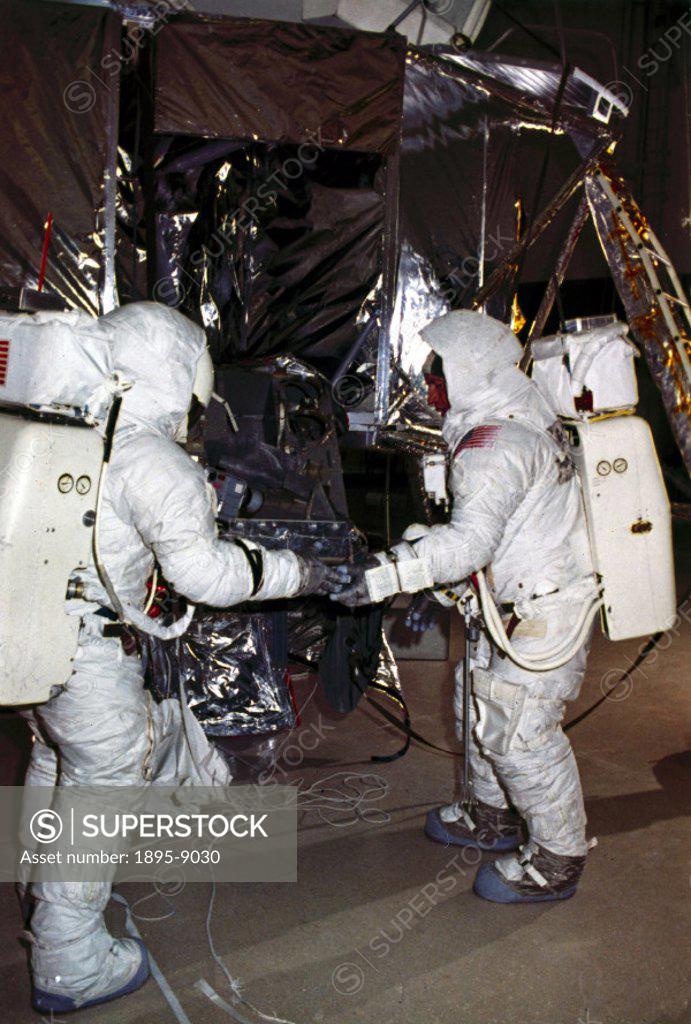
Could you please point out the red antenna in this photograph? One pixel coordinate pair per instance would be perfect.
(44, 254)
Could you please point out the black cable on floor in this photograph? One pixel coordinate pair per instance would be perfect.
(404, 726)
(649, 647)
(411, 734)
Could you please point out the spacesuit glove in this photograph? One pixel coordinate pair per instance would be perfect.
(356, 592)
(318, 578)
(423, 612)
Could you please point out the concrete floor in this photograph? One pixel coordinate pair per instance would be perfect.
(366, 935)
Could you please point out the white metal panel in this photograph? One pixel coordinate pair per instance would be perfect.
(48, 480)
(629, 523)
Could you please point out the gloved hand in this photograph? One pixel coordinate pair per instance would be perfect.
(354, 592)
(318, 578)
(422, 613)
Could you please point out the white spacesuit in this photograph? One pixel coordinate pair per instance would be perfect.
(103, 728)
(517, 514)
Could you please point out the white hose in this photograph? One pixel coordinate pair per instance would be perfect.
(152, 595)
(229, 412)
(551, 659)
(565, 648)
(560, 646)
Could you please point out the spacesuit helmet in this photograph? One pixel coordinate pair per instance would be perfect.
(474, 349)
(202, 390)
(157, 350)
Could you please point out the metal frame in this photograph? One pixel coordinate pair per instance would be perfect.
(539, 225)
(663, 298)
(108, 290)
(556, 280)
(389, 274)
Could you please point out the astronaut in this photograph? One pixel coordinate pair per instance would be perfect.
(102, 728)
(517, 514)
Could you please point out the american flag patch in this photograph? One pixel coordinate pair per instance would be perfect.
(480, 437)
(4, 361)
